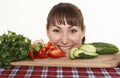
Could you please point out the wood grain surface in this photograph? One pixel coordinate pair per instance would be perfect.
(102, 61)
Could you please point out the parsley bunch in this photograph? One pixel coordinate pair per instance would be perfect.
(13, 47)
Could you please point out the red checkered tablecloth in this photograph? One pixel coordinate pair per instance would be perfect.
(59, 72)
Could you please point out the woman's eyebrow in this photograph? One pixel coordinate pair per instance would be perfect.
(71, 27)
(60, 27)
(57, 26)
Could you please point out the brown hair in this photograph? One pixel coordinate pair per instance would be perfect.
(65, 11)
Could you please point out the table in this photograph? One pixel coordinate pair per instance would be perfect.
(59, 72)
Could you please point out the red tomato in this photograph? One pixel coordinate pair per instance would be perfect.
(42, 53)
(57, 53)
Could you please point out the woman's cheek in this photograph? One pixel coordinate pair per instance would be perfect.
(54, 38)
(76, 39)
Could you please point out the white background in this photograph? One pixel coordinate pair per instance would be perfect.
(28, 17)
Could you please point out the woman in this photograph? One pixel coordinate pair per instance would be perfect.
(65, 26)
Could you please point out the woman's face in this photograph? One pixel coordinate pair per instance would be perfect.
(66, 36)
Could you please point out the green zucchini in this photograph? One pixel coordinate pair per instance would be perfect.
(105, 48)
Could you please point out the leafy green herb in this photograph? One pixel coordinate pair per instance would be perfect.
(13, 47)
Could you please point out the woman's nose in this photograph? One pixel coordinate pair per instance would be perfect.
(65, 38)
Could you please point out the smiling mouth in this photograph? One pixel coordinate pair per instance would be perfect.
(65, 47)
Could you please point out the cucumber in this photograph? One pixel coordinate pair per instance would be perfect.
(85, 51)
(77, 52)
(86, 55)
(91, 50)
(71, 53)
(105, 48)
(88, 48)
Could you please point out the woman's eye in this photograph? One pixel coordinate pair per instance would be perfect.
(73, 30)
(55, 30)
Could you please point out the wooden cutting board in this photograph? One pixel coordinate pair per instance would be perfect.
(102, 61)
